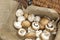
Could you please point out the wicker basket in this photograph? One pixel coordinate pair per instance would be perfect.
(55, 4)
(7, 17)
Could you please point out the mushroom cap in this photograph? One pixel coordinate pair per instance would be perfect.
(22, 32)
(28, 39)
(21, 18)
(17, 25)
(26, 23)
(30, 35)
(44, 21)
(37, 18)
(26, 15)
(38, 38)
(49, 28)
(42, 27)
(45, 35)
(19, 12)
(38, 33)
(31, 17)
(35, 25)
(51, 23)
(30, 29)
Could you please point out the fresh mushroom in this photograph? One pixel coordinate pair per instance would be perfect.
(37, 18)
(22, 32)
(50, 26)
(31, 17)
(26, 15)
(26, 23)
(38, 38)
(19, 12)
(45, 35)
(21, 18)
(30, 29)
(28, 39)
(44, 21)
(17, 25)
(35, 25)
(38, 33)
(42, 27)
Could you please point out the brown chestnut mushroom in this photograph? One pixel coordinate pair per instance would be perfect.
(26, 15)
(26, 23)
(44, 21)
(42, 27)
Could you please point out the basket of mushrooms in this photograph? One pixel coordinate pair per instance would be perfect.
(36, 23)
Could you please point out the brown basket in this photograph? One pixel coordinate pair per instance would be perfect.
(7, 17)
(55, 4)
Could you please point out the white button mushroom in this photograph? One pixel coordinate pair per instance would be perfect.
(21, 18)
(17, 25)
(50, 23)
(22, 32)
(38, 33)
(35, 25)
(28, 39)
(49, 28)
(38, 38)
(19, 12)
(31, 17)
(45, 35)
(37, 18)
(30, 29)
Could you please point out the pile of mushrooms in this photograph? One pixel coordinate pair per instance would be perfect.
(33, 27)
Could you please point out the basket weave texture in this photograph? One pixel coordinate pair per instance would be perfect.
(54, 4)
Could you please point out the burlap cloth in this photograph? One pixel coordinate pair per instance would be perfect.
(7, 17)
